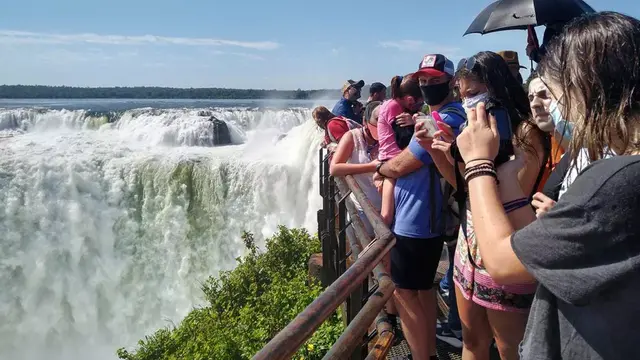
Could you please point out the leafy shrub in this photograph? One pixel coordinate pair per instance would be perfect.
(248, 306)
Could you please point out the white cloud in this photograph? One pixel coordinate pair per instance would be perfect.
(64, 56)
(240, 54)
(420, 46)
(26, 37)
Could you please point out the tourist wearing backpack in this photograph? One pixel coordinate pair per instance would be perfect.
(334, 126)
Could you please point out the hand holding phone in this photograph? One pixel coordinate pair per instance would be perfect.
(448, 134)
(429, 124)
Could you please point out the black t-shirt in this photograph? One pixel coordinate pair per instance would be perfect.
(554, 182)
(585, 253)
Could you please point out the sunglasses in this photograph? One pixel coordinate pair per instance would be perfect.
(467, 63)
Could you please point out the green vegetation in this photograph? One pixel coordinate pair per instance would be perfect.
(68, 92)
(248, 306)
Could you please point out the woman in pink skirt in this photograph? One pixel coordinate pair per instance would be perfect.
(488, 310)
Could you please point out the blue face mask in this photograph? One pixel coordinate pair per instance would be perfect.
(563, 127)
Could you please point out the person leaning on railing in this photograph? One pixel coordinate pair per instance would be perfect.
(357, 155)
(585, 251)
(334, 127)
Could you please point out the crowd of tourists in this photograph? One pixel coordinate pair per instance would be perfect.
(530, 188)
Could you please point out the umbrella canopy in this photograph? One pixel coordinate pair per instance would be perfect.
(519, 14)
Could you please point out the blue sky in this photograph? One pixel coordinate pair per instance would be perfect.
(281, 44)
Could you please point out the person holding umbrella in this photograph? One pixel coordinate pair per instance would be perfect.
(536, 52)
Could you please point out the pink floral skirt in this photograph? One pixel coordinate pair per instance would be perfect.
(476, 284)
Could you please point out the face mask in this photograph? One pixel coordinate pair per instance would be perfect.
(472, 102)
(435, 94)
(563, 127)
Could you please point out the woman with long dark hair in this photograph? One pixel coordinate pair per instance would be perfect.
(584, 252)
(488, 310)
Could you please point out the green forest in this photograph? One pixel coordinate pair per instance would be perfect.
(143, 92)
(247, 306)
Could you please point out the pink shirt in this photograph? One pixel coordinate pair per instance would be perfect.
(386, 137)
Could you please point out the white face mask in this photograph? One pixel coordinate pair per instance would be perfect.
(563, 127)
(472, 102)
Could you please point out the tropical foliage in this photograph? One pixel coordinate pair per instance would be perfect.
(248, 306)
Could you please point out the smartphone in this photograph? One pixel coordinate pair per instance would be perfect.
(439, 122)
(429, 124)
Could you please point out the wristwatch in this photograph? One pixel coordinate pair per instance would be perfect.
(378, 167)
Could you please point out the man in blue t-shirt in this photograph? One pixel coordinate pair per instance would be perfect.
(418, 208)
(348, 105)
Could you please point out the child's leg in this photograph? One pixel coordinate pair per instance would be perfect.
(387, 211)
(388, 201)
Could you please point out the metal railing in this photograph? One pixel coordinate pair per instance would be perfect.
(364, 286)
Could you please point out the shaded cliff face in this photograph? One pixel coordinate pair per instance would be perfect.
(111, 221)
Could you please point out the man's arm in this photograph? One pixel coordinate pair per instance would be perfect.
(409, 160)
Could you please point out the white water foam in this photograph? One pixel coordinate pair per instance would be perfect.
(108, 229)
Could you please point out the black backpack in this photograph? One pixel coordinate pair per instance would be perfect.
(449, 224)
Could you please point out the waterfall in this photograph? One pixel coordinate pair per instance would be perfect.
(111, 221)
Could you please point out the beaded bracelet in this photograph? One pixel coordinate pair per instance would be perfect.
(479, 173)
(473, 171)
(479, 167)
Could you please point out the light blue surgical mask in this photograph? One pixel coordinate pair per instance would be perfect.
(472, 102)
(563, 127)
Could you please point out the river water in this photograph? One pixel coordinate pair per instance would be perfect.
(113, 213)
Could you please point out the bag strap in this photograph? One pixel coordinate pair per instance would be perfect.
(329, 134)
(546, 145)
(434, 181)
(454, 110)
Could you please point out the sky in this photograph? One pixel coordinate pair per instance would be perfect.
(279, 44)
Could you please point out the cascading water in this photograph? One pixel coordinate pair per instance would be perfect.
(110, 222)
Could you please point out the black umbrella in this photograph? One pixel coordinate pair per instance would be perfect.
(519, 14)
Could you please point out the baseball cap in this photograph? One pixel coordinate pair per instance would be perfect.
(511, 57)
(377, 87)
(351, 83)
(435, 65)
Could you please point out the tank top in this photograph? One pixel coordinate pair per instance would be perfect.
(360, 155)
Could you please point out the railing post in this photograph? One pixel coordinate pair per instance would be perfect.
(342, 238)
(327, 233)
(354, 305)
(321, 172)
(331, 230)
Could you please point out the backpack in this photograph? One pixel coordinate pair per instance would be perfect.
(330, 142)
(449, 224)
(350, 124)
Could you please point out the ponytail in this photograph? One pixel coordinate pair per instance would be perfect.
(405, 85)
(396, 92)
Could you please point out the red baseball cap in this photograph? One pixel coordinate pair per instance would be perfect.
(435, 65)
